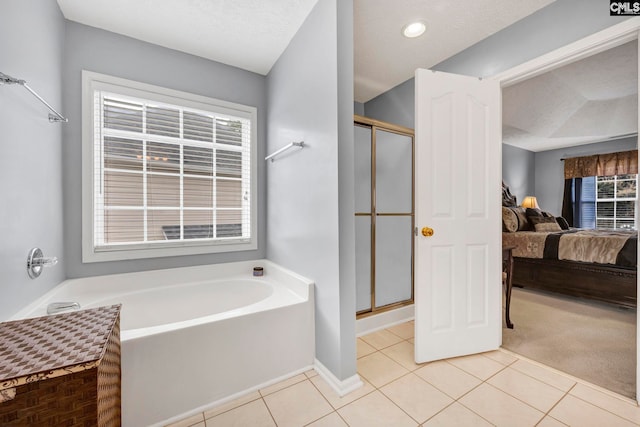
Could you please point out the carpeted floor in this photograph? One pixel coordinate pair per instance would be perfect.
(591, 341)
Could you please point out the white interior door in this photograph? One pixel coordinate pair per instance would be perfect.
(457, 269)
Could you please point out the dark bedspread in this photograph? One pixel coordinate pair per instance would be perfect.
(594, 246)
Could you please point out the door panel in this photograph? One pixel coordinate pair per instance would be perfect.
(363, 263)
(362, 169)
(393, 259)
(457, 269)
(394, 155)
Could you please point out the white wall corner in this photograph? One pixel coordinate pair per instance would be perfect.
(342, 387)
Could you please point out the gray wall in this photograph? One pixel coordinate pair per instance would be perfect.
(346, 193)
(518, 171)
(554, 26)
(96, 50)
(304, 192)
(549, 169)
(32, 34)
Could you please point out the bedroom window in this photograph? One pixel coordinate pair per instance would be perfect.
(616, 201)
(165, 173)
(605, 201)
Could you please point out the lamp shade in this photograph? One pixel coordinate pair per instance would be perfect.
(530, 202)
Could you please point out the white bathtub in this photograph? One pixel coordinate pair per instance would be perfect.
(195, 337)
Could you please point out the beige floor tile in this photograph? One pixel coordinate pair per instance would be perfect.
(544, 374)
(331, 420)
(447, 378)
(576, 412)
(540, 395)
(231, 405)
(416, 397)
(297, 405)
(379, 369)
(457, 415)
(403, 330)
(253, 414)
(500, 408)
(283, 384)
(363, 348)
(375, 410)
(477, 365)
(381, 339)
(334, 399)
(550, 422)
(501, 357)
(189, 421)
(404, 354)
(618, 406)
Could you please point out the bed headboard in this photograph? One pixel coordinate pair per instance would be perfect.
(508, 199)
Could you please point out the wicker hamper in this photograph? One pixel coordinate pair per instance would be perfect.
(61, 370)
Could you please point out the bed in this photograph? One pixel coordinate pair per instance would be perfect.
(594, 264)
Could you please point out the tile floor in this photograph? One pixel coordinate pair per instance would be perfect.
(495, 388)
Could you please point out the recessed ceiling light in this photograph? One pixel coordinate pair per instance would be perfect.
(414, 29)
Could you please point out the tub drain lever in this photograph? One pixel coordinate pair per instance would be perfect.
(36, 261)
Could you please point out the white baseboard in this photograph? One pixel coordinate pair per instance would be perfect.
(369, 324)
(342, 387)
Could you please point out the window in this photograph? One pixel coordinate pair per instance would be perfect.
(164, 172)
(606, 201)
(616, 201)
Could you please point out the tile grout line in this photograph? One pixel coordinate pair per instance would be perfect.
(329, 403)
(264, 402)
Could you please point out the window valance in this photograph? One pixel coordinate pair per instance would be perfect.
(621, 163)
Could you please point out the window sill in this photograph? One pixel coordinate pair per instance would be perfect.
(169, 250)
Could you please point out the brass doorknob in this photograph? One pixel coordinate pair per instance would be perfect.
(427, 231)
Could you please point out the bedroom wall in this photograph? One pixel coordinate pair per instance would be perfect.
(549, 169)
(554, 26)
(31, 212)
(518, 171)
(93, 49)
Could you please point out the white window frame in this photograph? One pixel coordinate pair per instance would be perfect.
(91, 82)
(615, 199)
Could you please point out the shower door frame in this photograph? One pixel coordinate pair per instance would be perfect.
(375, 125)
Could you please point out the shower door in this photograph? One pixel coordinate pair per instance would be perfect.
(383, 215)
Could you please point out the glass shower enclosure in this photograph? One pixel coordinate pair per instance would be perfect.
(384, 215)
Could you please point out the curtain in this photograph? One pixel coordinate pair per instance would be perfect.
(576, 168)
(567, 203)
(621, 163)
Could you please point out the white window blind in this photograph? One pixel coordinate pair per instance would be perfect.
(168, 175)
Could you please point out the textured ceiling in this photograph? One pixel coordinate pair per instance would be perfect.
(591, 100)
(584, 102)
(249, 34)
(384, 58)
(252, 34)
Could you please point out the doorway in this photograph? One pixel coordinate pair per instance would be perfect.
(602, 42)
(384, 212)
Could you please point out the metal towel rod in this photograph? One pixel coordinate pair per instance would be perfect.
(55, 117)
(285, 148)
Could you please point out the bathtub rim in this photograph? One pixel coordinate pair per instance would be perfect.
(304, 288)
